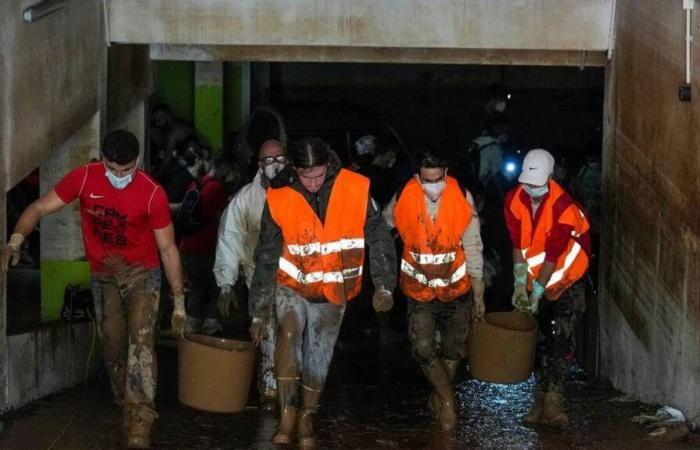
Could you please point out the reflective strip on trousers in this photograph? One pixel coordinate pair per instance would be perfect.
(315, 277)
(411, 271)
(434, 258)
(325, 249)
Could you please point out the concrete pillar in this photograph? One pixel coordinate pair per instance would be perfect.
(209, 102)
(134, 121)
(62, 254)
(238, 95)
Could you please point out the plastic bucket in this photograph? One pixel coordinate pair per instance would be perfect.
(214, 374)
(501, 347)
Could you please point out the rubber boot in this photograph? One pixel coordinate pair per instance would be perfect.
(287, 394)
(305, 427)
(554, 413)
(535, 414)
(434, 401)
(140, 428)
(439, 378)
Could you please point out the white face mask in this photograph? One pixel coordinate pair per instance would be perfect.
(434, 190)
(536, 192)
(271, 170)
(500, 106)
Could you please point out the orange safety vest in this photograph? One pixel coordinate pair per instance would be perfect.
(323, 260)
(572, 264)
(433, 262)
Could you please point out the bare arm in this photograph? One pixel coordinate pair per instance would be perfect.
(165, 239)
(43, 206)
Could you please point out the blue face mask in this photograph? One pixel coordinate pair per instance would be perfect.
(119, 182)
(536, 192)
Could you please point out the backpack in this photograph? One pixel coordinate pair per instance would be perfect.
(188, 219)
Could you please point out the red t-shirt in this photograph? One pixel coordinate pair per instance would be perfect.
(213, 202)
(117, 222)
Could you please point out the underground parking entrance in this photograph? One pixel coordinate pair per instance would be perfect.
(376, 396)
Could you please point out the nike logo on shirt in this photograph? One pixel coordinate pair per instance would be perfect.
(96, 196)
(532, 168)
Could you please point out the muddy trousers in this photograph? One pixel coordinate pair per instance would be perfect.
(306, 337)
(267, 383)
(450, 319)
(126, 309)
(556, 340)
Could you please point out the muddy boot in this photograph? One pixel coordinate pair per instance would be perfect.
(554, 413)
(287, 394)
(434, 401)
(438, 376)
(535, 414)
(305, 428)
(140, 428)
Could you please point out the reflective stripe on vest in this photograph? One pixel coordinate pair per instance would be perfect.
(411, 271)
(315, 277)
(429, 258)
(325, 249)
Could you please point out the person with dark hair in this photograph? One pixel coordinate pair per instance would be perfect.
(308, 266)
(126, 226)
(199, 247)
(441, 263)
(165, 132)
(238, 236)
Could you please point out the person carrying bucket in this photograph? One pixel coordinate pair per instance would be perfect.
(308, 265)
(551, 248)
(238, 235)
(441, 263)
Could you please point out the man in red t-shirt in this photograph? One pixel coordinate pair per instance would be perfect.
(126, 224)
(198, 250)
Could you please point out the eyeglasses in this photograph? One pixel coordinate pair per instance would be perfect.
(282, 159)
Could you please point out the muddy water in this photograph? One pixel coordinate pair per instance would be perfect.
(375, 399)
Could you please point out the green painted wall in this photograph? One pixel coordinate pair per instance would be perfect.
(208, 115)
(174, 85)
(55, 276)
(233, 104)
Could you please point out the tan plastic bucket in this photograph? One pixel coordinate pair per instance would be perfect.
(214, 374)
(501, 347)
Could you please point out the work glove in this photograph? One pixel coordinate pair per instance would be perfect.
(258, 327)
(226, 297)
(478, 288)
(179, 317)
(382, 300)
(520, 297)
(11, 253)
(535, 297)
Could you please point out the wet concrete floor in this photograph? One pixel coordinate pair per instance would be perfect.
(375, 399)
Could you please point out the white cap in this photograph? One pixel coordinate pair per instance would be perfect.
(366, 145)
(538, 165)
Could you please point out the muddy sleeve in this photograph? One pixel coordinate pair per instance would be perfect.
(472, 245)
(382, 253)
(388, 213)
(267, 255)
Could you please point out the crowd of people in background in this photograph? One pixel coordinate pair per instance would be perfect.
(296, 220)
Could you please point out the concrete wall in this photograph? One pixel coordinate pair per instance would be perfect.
(494, 24)
(48, 360)
(650, 274)
(50, 76)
